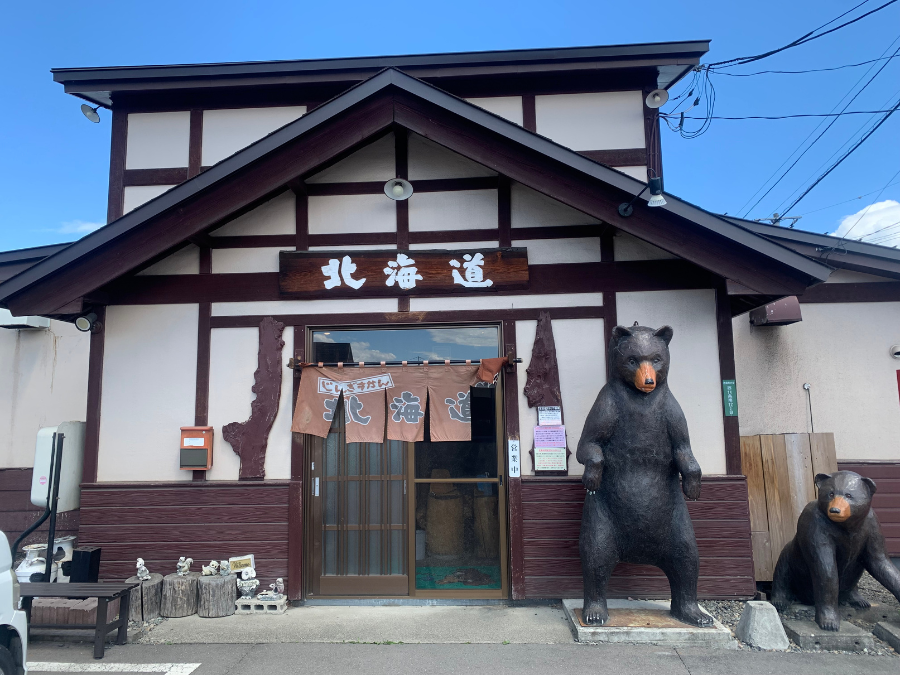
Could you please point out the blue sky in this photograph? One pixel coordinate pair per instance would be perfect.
(53, 182)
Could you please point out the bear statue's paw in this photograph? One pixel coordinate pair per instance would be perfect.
(594, 613)
(854, 599)
(828, 618)
(692, 614)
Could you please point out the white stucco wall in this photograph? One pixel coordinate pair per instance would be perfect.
(243, 260)
(227, 131)
(639, 172)
(493, 301)
(553, 251)
(149, 385)
(135, 195)
(184, 261)
(233, 361)
(276, 216)
(157, 140)
(352, 213)
(275, 307)
(694, 371)
(626, 247)
(841, 350)
(532, 209)
(428, 160)
(597, 121)
(373, 162)
(582, 373)
(462, 210)
(44, 376)
(508, 107)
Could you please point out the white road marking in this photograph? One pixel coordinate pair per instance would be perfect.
(165, 668)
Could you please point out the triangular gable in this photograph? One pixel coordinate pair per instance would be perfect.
(373, 108)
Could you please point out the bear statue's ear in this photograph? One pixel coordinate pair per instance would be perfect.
(871, 484)
(821, 478)
(620, 332)
(665, 333)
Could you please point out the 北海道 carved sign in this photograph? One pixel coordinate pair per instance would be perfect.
(332, 274)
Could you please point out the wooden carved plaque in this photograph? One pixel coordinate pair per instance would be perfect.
(360, 274)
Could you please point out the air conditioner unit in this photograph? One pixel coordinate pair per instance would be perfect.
(7, 320)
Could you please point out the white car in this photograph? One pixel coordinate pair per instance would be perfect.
(13, 624)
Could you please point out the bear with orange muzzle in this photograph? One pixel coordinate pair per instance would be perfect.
(838, 537)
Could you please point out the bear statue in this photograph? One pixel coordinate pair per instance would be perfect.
(838, 536)
(637, 461)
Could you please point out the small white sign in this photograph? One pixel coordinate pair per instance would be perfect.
(550, 459)
(242, 562)
(193, 442)
(549, 437)
(515, 468)
(549, 415)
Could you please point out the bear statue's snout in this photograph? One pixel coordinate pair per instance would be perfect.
(645, 377)
(839, 510)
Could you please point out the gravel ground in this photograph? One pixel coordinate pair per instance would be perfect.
(729, 613)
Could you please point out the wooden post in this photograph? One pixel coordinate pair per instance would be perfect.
(179, 595)
(217, 595)
(146, 598)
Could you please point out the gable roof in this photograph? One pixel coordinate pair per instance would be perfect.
(392, 98)
(18, 260)
(664, 62)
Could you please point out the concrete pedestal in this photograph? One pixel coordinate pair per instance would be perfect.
(807, 635)
(889, 632)
(646, 622)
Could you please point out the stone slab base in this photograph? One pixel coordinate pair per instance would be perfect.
(889, 632)
(807, 635)
(646, 622)
(877, 612)
(257, 606)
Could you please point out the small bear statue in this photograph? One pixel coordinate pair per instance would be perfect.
(142, 572)
(637, 462)
(838, 536)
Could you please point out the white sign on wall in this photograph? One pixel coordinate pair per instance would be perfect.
(515, 467)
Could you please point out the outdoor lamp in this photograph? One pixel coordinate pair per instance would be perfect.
(656, 198)
(87, 323)
(398, 189)
(90, 113)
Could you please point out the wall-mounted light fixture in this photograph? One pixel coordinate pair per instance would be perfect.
(91, 113)
(656, 198)
(398, 189)
(88, 323)
(657, 98)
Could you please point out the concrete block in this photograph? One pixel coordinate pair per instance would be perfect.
(807, 635)
(646, 622)
(257, 606)
(877, 612)
(760, 626)
(889, 632)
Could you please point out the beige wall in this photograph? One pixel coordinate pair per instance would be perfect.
(149, 385)
(580, 379)
(137, 195)
(841, 350)
(626, 247)
(462, 210)
(276, 216)
(44, 376)
(227, 131)
(157, 140)
(352, 213)
(532, 209)
(599, 121)
(428, 160)
(508, 107)
(373, 162)
(694, 371)
(184, 261)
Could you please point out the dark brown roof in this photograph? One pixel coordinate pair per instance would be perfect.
(19, 260)
(390, 99)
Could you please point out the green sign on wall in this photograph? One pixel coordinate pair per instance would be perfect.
(729, 397)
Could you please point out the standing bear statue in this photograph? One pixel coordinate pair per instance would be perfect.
(637, 462)
(838, 536)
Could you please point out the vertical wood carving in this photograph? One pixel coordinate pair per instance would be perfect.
(249, 439)
(542, 385)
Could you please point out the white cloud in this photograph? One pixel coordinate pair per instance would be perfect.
(362, 351)
(470, 337)
(877, 224)
(78, 227)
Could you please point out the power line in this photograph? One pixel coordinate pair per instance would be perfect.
(803, 72)
(838, 163)
(821, 134)
(849, 200)
(809, 37)
(782, 117)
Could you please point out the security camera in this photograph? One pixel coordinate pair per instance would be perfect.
(895, 351)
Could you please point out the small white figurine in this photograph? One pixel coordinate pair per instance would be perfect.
(248, 583)
(224, 568)
(210, 570)
(142, 572)
(278, 586)
(248, 573)
(183, 566)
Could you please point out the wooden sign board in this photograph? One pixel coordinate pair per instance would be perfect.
(361, 274)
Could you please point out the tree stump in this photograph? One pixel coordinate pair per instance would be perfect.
(179, 595)
(217, 596)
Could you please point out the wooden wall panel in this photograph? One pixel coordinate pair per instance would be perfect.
(202, 520)
(17, 512)
(886, 501)
(551, 509)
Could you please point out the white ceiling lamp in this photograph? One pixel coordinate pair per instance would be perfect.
(398, 189)
(656, 197)
(657, 98)
(91, 113)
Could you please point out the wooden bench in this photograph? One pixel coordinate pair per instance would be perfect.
(104, 592)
